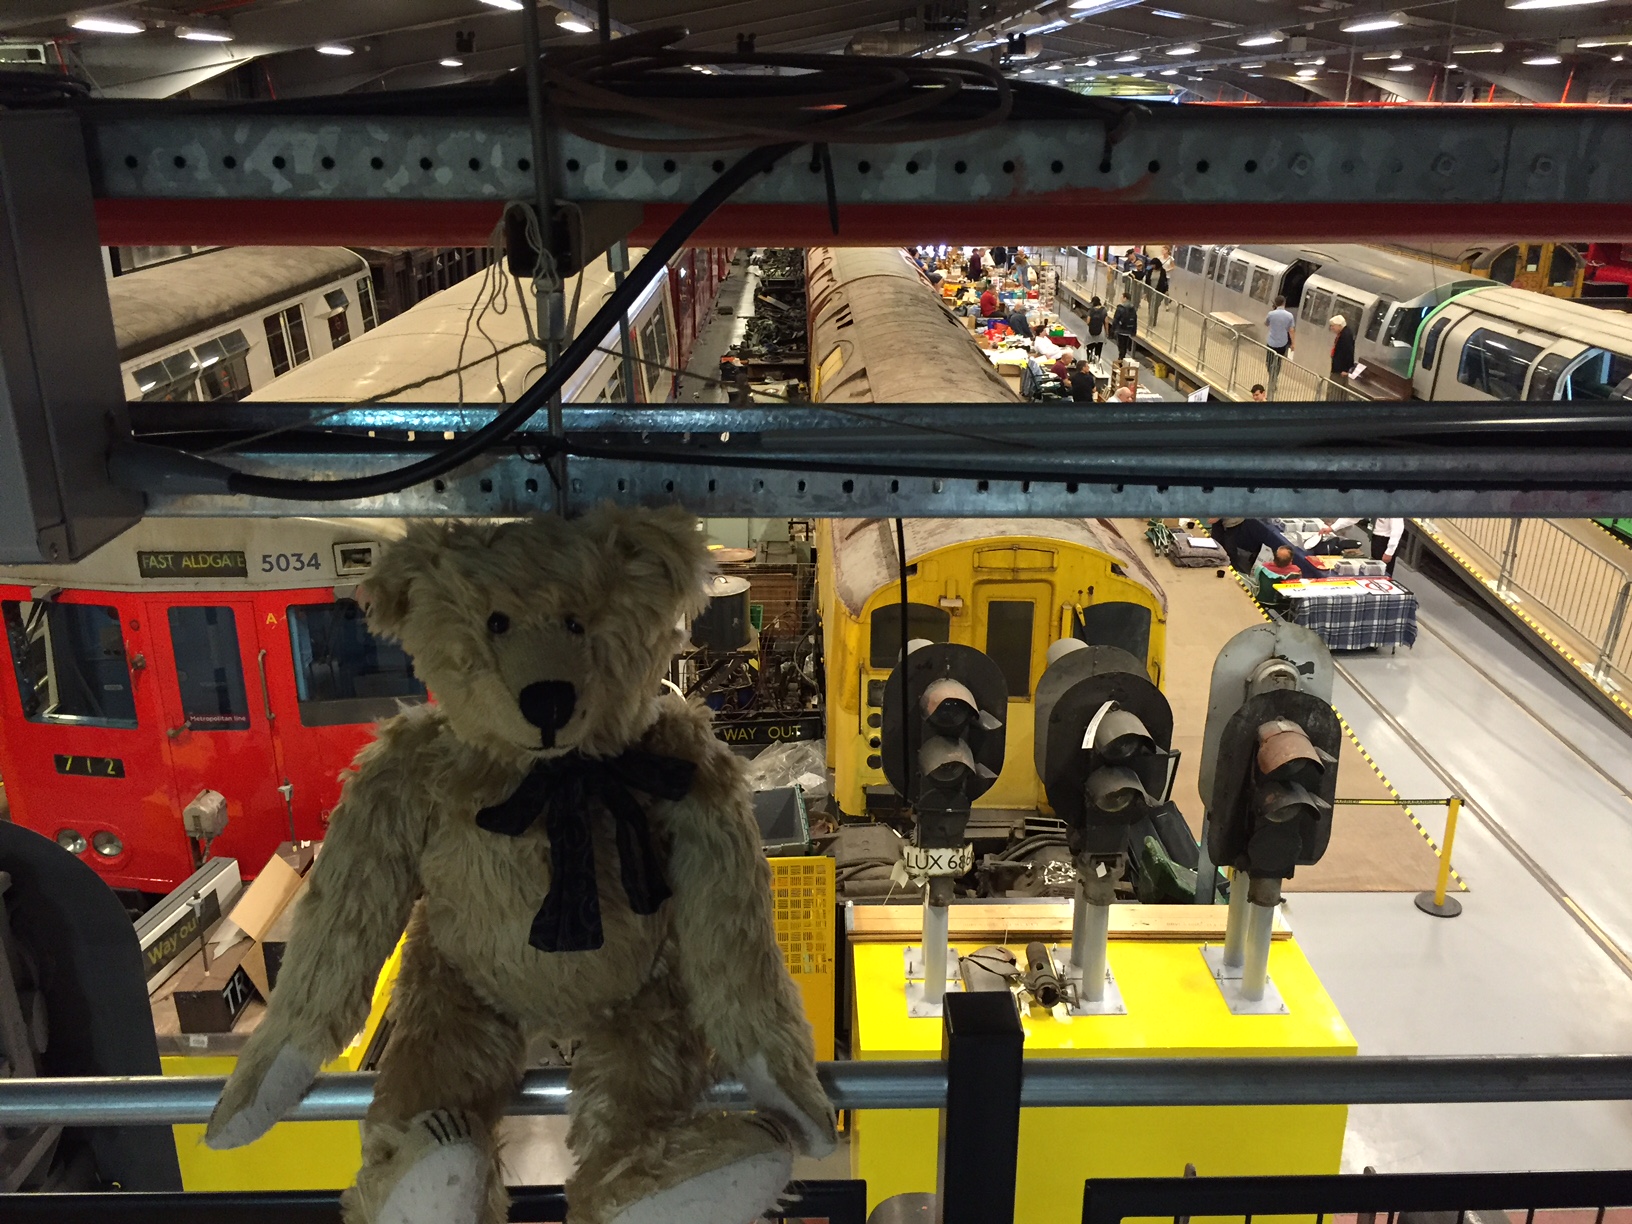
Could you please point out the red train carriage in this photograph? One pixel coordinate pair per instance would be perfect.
(190, 655)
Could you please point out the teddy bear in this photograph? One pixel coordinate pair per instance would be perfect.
(574, 857)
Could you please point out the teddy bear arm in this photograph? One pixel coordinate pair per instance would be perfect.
(737, 984)
(355, 908)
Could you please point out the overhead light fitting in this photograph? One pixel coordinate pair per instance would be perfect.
(450, 62)
(1318, 62)
(1049, 28)
(947, 51)
(1587, 44)
(1549, 4)
(1053, 67)
(1128, 57)
(1543, 61)
(1170, 13)
(104, 23)
(1615, 59)
(1402, 67)
(1140, 75)
(1090, 63)
(1092, 8)
(215, 34)
(1185, 49)
(513, 6)
(1495, 48)
(1170, 72)
(1267, 39)
(1376, 21)
(1259, 64)
(335, 49)
(573, 23)
(1453, 66)
(1306, 73)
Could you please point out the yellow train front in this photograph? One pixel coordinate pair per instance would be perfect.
(1008, 587)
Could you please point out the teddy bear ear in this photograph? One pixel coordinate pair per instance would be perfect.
(388, 589)
(659, 551)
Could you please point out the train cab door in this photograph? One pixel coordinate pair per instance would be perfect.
(218, 717)
(83, 752)
(1011, 625)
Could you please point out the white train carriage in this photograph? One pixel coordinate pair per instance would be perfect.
(1383, 295)
(221, 324)
(1500, 343)
(458, 346)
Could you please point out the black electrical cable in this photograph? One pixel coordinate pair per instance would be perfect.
(907, 703)
(538, 395)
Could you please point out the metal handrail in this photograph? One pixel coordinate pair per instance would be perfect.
(1048, 1084)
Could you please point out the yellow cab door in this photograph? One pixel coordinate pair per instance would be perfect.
(1011, 624)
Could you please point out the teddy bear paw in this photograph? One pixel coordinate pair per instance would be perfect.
(736, 1193)
(447, 1183)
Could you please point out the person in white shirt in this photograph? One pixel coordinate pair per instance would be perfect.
(1280, 333)
(1386, 534)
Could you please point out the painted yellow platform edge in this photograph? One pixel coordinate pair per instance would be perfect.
(292, 1155)
(1174, 1010)
(1562, 650)
(1461, 884)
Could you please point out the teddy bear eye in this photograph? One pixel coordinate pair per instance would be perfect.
(498, 623)
(573, 624)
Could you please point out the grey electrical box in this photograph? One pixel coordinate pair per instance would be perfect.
(61, 399)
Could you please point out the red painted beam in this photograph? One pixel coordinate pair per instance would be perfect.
(1040, 220)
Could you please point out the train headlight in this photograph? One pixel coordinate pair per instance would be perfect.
(107, 844)
(71, 840)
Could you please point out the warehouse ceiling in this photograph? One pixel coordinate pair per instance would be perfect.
(1275, 50)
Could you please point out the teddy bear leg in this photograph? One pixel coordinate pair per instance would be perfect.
(646, 1155)
(451, 1066)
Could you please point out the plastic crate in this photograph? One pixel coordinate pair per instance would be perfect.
(803, 892)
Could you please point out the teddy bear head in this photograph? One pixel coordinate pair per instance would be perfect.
(543, 636)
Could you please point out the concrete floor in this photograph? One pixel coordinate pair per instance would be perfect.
(1516, 972)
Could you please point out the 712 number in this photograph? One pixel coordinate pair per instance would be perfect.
(285, 562)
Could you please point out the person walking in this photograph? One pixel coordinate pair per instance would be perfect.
(1125, 325)
(975, 266)
(1022, 269)
(1096, 328)
(1156, 280)
(1342, 355)
(1000, 257)
(1280, 326)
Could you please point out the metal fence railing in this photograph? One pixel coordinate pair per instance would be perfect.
(1582, 591)
(1209, 348)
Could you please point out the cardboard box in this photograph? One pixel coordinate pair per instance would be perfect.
(265, 954)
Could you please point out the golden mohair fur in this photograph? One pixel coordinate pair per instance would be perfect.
(670, 1000)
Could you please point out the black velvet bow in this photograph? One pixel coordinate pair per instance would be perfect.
(570, 788)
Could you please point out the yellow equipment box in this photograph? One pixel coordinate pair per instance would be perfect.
(1174, 1009)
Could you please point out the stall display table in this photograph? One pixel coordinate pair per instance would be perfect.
(1174, 1009)
(1352, 613)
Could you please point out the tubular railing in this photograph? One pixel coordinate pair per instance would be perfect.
(1583, 592)
(1226, 358)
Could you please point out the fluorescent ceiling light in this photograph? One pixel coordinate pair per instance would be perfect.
(1027, 69)
(1261, 40)
(450, 62)
(1586, 44)
(513, 6)
(335, 49)
(107, 24)
(947, 51)
(1091, 8)
(1049, 28)
(204, 34)
(1092, 63)
(1402, 67)
(1375, 21)
(1381, 55)
(1615, 59)
(1185, 49)
(1318, 62)
(1306, 73)
(1140, 75)
(1549, 4)
(1053, 67)
(574, 24)
(1495, 48)
(1259, 64)
(1453, 65)
(1542, 61)
(1169, 13)
(1170, 72)
(1127, 57)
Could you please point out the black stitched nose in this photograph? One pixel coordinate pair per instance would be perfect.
(547, 704)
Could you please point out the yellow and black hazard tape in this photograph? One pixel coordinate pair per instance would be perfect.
(1540, 630)
(1361, 748)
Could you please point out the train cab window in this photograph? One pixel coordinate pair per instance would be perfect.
(365, 301)
(223, 367)
(1505, 266)
(209, 669)
(884, 632)
(1544, 378)
(1402, 328)
(1374, 319)
(1600, 377)
(1430, 342)
(343, 673)
(1008, 641)
(1198, 259)
(1317, 306)
(1564, 265)
(174, 378)
(1236, 279)
(1261, 282)
(1496, 363)
(286, 338)
(70, 664)
(1115, 623)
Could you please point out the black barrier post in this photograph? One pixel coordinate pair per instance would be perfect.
(983, 1046)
